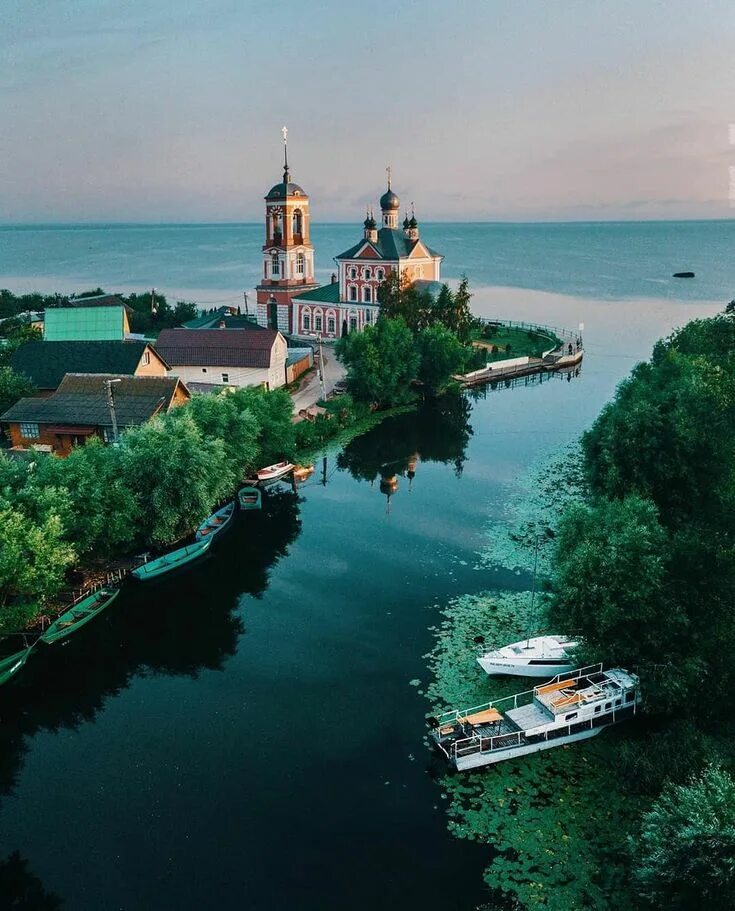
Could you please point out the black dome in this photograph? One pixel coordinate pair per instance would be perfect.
(389, 200)
(282, 190)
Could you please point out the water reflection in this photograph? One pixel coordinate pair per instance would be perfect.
(21, 889)
(438, 432)
(180, 626)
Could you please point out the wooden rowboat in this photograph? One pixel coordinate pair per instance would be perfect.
(13, 657)
(274, 472)
(154, 569)
(217, 522)
(79, 614)
(250, 498)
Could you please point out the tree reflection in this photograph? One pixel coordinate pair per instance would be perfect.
(21, 889)
(178, 626)
(438, 432)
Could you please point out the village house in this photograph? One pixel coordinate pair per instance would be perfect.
(100, 318)
(46, 363)
(87, 405)
(226, 357)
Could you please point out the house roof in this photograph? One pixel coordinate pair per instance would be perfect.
(45, 363)
(98, 322)
(328, 294)
(216, 347)
(99, 300)
(391, 244)
(223, 315)
(81, 400)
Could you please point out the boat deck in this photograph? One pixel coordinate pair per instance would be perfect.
(529, 716)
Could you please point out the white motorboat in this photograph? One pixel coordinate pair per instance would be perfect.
(541, 656)
(571, 707)
(274, 472)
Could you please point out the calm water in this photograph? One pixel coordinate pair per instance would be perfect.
(249, 735)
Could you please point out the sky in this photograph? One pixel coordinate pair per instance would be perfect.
(486, 110)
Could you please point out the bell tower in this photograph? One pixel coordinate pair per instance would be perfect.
(288, 254)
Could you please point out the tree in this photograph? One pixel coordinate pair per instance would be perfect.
(685, 857)
(227, 417)
(609, 582)
(185, 311)
(177, 476)
(33, 560)
(273, 412)
(13, 386)
(381, 361)
(441, 354)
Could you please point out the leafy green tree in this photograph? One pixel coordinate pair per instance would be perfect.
(273, 412)
(609, 582)
(33, 560)
(685, 857)
(13, 386)
(381, 361)
(227, 417)
(441, 354)
(185, 311)
(177, 476)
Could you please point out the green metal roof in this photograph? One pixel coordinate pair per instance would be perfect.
(328, 294)
(46, 363)
(85, 324)
(392, 243)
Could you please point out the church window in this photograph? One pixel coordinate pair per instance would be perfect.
(307, 322)
(353, 273)
(331, 326)
(318, 323)
(380, 275)
(368, 275)
(367, 294)
(275, 265)
(276, 227)
(296, 222)
(353, 293)
(368, 316)
(353, 323)
(300, 264)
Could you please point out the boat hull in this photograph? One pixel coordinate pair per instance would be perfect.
(250, 498)
(76, 617)
(162, 566)
(216, 523)
(497, 667)
(10, 665)
(476, 760)
(274, 472)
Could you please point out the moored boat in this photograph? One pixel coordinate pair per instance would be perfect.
(250, 498)
(217, 522)
(154, 569)
(302, 472)
(14, 652)
(274, 472)
(78, 614)
(570, 707)
(540, 656)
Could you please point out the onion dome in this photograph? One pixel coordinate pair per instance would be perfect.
(282, 190)
(389, 200)
(413, 223)
(406, 223)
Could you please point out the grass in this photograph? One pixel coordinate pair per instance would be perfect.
(523, 342)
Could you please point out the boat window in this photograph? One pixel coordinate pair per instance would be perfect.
(629, 697)
(608, 705)
(598, 708)
(617, 702)
(570, 716)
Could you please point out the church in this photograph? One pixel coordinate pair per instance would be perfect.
(289, 299)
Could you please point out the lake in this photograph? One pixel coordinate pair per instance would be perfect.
(250, 733)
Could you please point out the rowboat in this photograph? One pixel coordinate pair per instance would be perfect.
(217, 522)
(540, 656)
(274, 472)
(79, 614)
(13, 658)
(570, 707)
(171, 561)
(249, 498)
(302, 472)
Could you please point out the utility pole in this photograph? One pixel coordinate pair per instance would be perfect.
(245, 295)
(113, 415)
(321, 368)
(154, 308)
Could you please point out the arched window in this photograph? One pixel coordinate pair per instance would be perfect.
(306, 321)
(368, 275)
(276, 227)
(275, 264)
(299, 263)
(368, 316)
(379, 274)
(296, 223)
(353, 273)
(353, 293)
(367, 294)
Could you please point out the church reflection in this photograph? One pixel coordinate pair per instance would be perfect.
(439, 431)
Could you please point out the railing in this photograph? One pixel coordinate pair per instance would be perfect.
(558, 331)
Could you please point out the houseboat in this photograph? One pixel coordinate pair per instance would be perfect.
(571, 707)
(538, 656)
